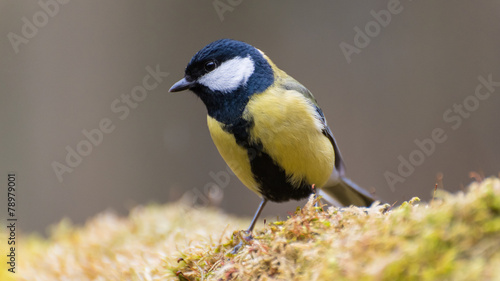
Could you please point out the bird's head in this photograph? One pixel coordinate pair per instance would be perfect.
(226, 73)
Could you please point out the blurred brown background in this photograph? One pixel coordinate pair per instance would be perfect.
(63, 66)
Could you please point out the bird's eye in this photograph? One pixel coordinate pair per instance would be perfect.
(210, 65)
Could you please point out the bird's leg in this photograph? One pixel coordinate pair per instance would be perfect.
(316, 196)
(252, 224)
(257, 215)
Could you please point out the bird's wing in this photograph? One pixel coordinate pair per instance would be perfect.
(289, 83)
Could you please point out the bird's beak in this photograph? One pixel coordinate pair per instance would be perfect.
(181, 85)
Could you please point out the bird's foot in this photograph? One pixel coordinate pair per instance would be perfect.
(245, 237)
(237, 248)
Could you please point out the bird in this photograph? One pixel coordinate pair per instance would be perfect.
(268, 127)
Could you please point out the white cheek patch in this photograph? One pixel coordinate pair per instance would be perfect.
(229, 75)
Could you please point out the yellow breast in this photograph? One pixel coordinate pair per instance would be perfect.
(286, 125)
(236, 157)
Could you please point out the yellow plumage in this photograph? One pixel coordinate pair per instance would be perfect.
(285, 124)
(288, 126)
(236, 157)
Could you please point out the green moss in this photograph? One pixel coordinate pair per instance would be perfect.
(455, 237)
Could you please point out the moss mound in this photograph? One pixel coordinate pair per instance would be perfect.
(455, 237)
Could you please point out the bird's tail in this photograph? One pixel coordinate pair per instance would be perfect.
(344, 192)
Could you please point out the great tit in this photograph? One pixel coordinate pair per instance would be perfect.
(267, 126)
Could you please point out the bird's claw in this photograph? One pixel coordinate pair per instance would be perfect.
(244, 239)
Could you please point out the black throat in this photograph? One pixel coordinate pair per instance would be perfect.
(226, 108)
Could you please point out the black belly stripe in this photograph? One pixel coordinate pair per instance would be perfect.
(272, 179)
